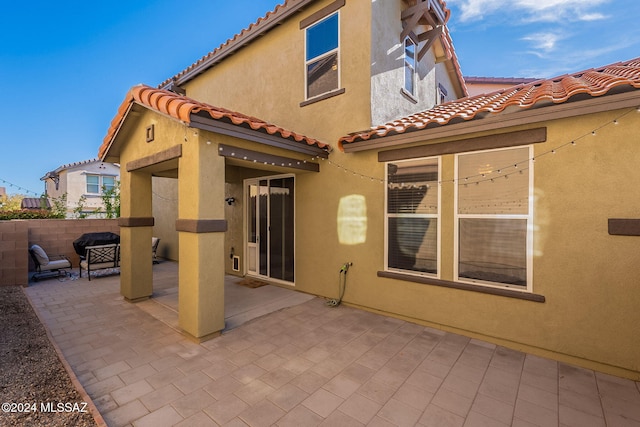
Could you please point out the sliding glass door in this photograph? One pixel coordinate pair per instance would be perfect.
(270, 227)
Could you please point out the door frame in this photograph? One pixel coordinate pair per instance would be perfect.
(245, 220)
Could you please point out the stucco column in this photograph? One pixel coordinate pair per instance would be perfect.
(201, 226)
(136, 228)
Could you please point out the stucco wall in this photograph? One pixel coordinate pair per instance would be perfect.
(266, 78)
(387, 68)
(588, 277)
(73, 182)
(165, 213)
(55, 236)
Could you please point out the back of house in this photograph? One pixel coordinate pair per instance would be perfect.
(333, 132)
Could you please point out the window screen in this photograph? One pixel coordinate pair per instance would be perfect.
(493, 216)
(412, 215)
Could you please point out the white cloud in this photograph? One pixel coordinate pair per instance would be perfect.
(543, 41)
(531, 10)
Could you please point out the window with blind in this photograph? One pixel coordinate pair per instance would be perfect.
(412, 216)
(494, 233)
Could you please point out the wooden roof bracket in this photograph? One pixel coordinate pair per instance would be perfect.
(425, 10)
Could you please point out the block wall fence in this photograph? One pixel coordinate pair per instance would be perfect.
(56, 237)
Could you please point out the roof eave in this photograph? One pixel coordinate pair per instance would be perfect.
(630, 99)
(241, 40)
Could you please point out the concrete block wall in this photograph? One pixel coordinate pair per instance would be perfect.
(14, 253)
(56, 237)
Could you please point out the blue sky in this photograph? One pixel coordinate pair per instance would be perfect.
(69, 64)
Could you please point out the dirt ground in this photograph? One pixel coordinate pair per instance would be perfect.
(35, 389)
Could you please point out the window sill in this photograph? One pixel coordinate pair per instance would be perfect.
(463, 286)
(323, 97)
(408, 95)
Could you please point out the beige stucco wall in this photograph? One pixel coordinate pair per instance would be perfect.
(73, 182)
(266, 78)
(387, 69)
(165, 213)
(587, 276)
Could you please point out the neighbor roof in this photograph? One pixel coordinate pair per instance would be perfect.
(35, 203)
(182, 108)
(590, 83)
(59, 169)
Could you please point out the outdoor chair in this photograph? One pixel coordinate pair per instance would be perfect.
(154, 248)
(100, 257)
(47, 267)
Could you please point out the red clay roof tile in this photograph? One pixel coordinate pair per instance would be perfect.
(181, 108)
(593, 82)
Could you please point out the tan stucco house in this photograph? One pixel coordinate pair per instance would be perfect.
(83, 184)
(510, 216)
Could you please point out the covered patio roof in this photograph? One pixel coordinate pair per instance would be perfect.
(204, 116)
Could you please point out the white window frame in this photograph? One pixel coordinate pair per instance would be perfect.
(437, 216)
(412, 67)
(100, 183)
(319, 57)
(528, 217)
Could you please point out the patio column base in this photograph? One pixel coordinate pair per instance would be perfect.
(135, 300)
(200, 340)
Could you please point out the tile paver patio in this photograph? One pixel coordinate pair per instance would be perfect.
(309, 364)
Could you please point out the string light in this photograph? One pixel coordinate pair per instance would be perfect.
(518, 167)
(21, 189)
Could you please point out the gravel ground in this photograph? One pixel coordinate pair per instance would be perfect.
(35, 389)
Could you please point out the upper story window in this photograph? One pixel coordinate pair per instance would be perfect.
(322, 56)
(409, 66)
(441, 94)
(97, 184)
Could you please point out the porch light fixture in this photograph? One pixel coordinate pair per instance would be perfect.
(230, 200)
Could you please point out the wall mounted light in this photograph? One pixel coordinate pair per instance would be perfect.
(230, 200)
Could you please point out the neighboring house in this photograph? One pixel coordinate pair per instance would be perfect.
(479, 85)
(83, 183)
(507, 216)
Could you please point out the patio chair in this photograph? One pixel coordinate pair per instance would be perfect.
(47, 267)
(154, 248)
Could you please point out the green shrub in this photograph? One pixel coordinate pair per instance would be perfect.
(28, 214)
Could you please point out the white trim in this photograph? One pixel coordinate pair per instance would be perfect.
(437, 216)
(413, 67)
(528, 217)
(317, 58)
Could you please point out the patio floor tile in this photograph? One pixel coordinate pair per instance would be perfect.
(166, 416)
(307, 364)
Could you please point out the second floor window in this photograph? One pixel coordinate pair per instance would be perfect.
(97, 183)
(409, 66)
(321, 60)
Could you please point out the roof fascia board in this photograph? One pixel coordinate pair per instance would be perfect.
(239, 43)
(503, 120)
(217, 126)
(116, 133)
(251, 156)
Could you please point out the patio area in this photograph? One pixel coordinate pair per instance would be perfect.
(287, 359)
